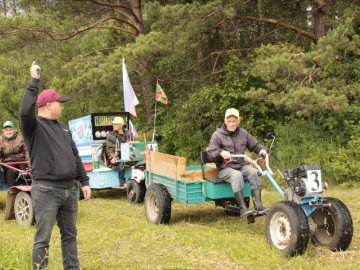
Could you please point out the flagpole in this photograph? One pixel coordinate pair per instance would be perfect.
(153, 136)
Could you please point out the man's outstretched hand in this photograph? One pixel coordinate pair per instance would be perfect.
(35, 70)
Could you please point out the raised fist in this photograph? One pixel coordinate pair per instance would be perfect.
(35, 70)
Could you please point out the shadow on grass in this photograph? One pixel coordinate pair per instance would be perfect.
(213, 216)
(198, 216)
(2, 205)
(108, 193)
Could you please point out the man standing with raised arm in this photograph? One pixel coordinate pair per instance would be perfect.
(55, 165)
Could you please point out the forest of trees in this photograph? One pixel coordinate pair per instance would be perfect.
(292, 67)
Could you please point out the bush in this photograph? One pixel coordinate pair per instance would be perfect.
(344, 164)
(303, 142)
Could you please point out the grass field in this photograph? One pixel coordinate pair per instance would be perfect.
(115, 235)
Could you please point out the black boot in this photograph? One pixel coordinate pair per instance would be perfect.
(256, 194)
(244, 211)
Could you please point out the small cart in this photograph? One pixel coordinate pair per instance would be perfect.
(168, 178)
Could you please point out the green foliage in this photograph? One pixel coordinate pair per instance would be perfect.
(197, 119)
(343, 164)
(302, 142)
(207, 58)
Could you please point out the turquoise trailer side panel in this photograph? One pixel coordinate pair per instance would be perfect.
(106, 178)
(185, 192)
(218, 191)
(223, 190)
(195, 191)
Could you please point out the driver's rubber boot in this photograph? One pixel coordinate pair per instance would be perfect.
(244, 211)
(256, 194)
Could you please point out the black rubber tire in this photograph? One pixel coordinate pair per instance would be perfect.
(287, 228)
(23, 209)
(333, 226)
(135, 191)
(157, 204)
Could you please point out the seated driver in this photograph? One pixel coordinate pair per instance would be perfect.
(113, 141)
(230, 139)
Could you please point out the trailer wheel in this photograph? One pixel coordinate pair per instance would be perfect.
(135, 191)
(333, 226)
(23, 209)
(287, 228)
(157, 204)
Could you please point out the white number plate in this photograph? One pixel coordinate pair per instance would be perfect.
(314, 181)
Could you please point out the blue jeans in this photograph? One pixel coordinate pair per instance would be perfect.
(53, 204)
(120, 166)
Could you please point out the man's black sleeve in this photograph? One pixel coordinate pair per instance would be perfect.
(27, 110)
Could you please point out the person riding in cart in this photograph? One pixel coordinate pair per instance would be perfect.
(113, 142)
(12, 149)
(229, 139)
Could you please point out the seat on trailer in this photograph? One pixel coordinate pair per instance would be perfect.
(206, 174)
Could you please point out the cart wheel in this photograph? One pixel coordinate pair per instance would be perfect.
(135, 191)
(333, 226)
(23, 209)
(287, 228)
(157, 204)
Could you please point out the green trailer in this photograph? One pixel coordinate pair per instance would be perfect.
(168, 178)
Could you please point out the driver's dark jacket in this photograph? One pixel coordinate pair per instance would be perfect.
(13, 149)
(54, 158)
(113, 143)
(234, 142)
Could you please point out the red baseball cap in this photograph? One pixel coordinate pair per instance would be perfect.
(48, 96)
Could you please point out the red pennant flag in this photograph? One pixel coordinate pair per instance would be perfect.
(160, 94)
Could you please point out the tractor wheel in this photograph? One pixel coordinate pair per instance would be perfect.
(287, 228)
(157, 204)
(135, 191)
(23, 209)
(333, 226)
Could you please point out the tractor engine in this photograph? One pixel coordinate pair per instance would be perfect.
(305, 180)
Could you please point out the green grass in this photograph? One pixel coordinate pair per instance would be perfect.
(115, 235)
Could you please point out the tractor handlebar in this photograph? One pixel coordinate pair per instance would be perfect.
(254, 162)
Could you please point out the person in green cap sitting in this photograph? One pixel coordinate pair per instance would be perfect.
(12, 149)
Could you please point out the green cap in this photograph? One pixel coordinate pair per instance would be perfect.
(8, 124)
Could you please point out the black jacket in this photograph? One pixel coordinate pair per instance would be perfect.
(54, 158)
